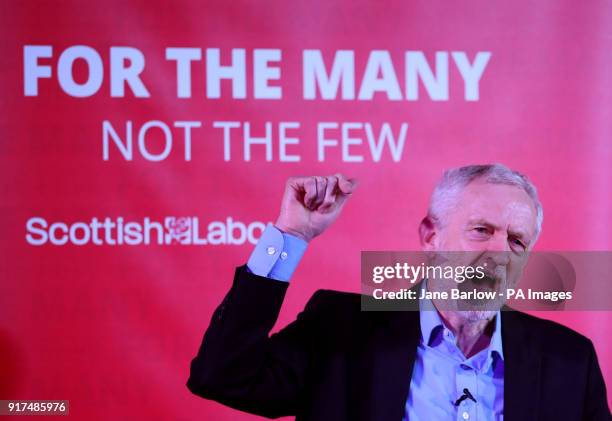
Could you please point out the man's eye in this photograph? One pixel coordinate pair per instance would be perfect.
(482, 230)
(518, 243)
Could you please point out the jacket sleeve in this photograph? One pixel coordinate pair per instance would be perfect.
(239, 364)
(596, 405)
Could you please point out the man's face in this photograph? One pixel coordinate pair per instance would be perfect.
(492, 226)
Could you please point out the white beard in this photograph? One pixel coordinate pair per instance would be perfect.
(477, 315)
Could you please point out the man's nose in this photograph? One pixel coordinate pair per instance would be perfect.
(499, 248)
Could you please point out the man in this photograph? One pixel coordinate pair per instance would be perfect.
(336, 362)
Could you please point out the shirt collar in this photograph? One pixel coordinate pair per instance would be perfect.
(431, 324)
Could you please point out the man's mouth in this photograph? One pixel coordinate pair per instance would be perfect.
(486, 283)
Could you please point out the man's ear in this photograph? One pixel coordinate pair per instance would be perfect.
(428, 234)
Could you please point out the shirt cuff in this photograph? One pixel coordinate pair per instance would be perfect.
(276, 254)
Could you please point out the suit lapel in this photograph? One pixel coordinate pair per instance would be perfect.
(383, 366)
(521, 371)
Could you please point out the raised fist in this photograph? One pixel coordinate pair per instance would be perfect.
(311, 204)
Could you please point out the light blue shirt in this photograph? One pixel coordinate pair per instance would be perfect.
(276, 254)
(440, 372)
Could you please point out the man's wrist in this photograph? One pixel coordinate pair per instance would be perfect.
(282, 227)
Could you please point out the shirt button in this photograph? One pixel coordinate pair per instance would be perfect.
(271, 250)
(465, 415)
(283, 255)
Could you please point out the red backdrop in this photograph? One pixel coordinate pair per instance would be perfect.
(112, 327)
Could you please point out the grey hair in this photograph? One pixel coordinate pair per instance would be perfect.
(455, 180)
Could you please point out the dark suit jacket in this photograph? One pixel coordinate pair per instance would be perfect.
(336, 362)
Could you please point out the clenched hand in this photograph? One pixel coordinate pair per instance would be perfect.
(311, 204)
